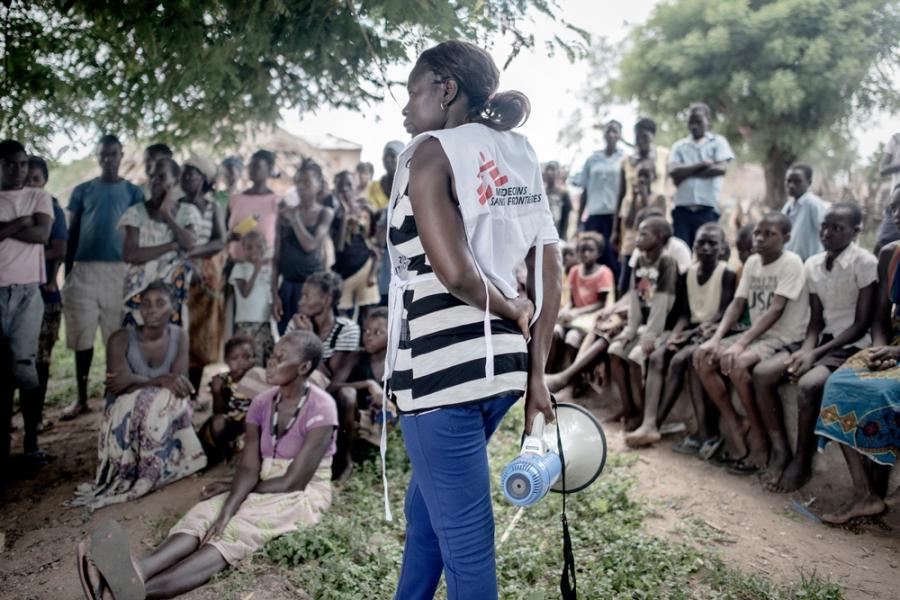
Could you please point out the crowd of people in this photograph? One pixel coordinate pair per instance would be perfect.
(289, 291)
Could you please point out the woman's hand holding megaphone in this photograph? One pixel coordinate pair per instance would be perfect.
(537, 400)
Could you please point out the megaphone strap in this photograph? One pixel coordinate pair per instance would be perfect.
(567, 582)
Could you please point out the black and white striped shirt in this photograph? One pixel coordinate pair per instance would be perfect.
(441, 357)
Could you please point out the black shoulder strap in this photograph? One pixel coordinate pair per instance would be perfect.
(567, 582)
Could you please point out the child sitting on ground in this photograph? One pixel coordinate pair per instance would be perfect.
(709, 289)
(653, 284)
(252, 280)
(608, 323)
(282, 484)
(367, 376)
(232, 392)
(589, 285)
(842, 283)
(773, 286)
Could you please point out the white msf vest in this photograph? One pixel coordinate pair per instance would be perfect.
(505, 212)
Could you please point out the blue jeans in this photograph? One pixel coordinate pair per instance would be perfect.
(603, 224)
(686, 222)
(449, 517)
(21, 313)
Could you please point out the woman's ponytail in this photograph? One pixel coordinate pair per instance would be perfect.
(505, 111)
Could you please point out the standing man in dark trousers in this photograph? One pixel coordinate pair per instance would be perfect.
(697, 165)
(603, 180)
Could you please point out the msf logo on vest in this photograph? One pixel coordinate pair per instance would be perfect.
(490, 177)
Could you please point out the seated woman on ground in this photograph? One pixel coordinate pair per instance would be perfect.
(232, 392)
(317, 311)
(861, 402)
(589, 285)
(146, 440)
(367, 376)
(282, 483)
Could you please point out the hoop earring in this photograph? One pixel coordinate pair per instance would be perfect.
(443, 107)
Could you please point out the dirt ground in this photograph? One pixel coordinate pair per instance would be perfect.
(755, 530)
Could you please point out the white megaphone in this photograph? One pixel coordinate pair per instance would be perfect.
(538, 468)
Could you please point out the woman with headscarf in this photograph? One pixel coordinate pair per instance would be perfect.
(206, 295)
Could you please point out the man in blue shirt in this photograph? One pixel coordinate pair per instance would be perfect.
(806, 212)
(603, 180)
(697, 165)
(95, 270)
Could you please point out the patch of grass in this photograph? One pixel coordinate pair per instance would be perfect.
(354, 553)
(159, 528)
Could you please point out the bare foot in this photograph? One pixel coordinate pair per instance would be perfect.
(73, 410)
(633, 422)
(869, 506)
(794, 477)
(643, 436)
(777, 464)
(98, 588)
(757, 459)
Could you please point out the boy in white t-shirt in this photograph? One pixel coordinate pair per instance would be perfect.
(773, 287)
(252, 280)
(842, 284)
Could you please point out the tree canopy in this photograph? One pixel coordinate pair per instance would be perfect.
(179, 69)
(776, 73)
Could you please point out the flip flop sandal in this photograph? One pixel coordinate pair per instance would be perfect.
(709, 448)
(721, 459)
(739, 467)
(112, 557)
(689, 445)
(672, 428)
(81, 566)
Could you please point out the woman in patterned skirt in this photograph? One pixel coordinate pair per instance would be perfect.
(146, 438)
(206, 297)
(283, 482)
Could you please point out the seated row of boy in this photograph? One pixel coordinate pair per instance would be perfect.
(785, 320)
(588, 335)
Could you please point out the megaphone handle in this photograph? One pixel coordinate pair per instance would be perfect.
(567, 582)
(537, 426)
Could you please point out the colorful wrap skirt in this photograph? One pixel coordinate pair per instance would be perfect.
(861, 408)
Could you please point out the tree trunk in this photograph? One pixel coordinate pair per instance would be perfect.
(775, 167)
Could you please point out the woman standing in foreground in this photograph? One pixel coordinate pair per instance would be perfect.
(453, 369)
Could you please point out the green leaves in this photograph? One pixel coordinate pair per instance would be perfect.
(182, 70)
(777, 73)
